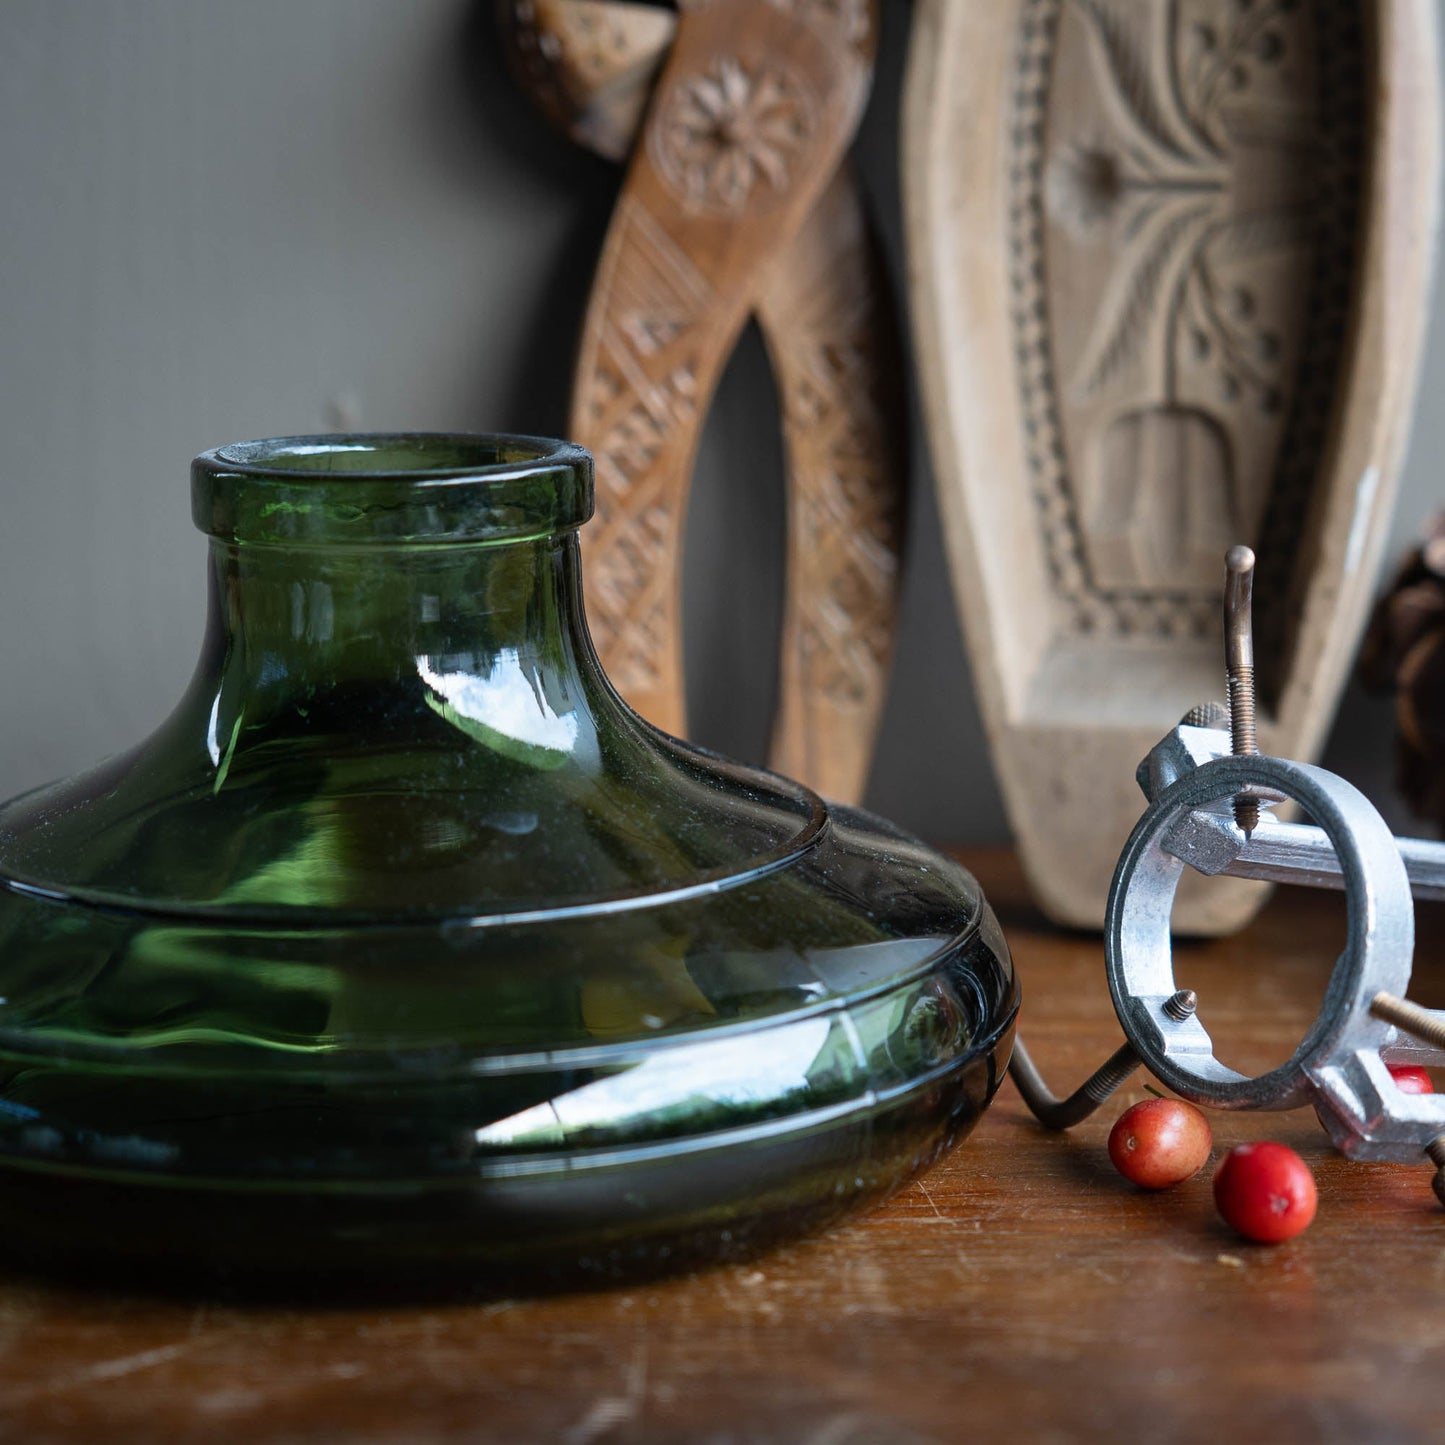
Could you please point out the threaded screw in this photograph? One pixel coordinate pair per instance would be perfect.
(1418, 1022)
(1180, 1006)
(1055, 1113)
(1239, 665)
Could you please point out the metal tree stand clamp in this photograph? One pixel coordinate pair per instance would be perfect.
(1202, 787)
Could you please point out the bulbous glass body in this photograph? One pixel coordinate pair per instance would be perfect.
(405, 948)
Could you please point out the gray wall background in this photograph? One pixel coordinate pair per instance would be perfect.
(223, 221)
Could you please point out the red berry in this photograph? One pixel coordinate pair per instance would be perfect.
(1411, 1078)
(1265, 1191)
(1160, 1142)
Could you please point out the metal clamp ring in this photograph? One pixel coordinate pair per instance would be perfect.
(1378, 951)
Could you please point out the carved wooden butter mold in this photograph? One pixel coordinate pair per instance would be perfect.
(1170, 302)
(1214, 157)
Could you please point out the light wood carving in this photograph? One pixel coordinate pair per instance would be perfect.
(736, 204)
(1169, 264)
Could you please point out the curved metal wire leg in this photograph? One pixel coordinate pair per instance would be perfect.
(1055, 1113)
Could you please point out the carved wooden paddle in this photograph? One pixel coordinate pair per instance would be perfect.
(735, 204)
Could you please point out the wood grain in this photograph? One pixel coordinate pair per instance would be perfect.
(750, 119)
(1019, 1291)
(827, 318)
(734, 204)
(1171, 300)
(825, 310)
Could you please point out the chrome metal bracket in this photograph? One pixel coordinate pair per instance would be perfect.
(1341, 1064)
(1211, 795)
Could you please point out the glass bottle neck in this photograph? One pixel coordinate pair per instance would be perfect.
(287, 623)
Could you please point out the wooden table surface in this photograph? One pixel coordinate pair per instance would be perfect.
(1021, 1290)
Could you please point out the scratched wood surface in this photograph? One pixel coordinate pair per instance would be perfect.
(1021, 1290)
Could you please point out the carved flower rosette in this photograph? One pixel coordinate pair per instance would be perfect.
(728, 138)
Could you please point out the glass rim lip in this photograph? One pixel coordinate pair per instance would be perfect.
(400, 488)
(249, 458)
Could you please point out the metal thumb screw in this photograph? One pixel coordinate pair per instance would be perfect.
(1239, 664)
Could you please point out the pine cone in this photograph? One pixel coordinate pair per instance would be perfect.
(1404, 654)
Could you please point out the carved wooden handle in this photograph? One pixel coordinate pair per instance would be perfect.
(749, 121)
(832, 335)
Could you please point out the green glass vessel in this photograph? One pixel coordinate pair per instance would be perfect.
(405, 950)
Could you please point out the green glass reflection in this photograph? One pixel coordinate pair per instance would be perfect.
(404, 947)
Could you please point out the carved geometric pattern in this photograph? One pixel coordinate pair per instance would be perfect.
(726, 139)
(643, 391)
(835, 351)
(1192, 169)
(621, 577)
(845, 508)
